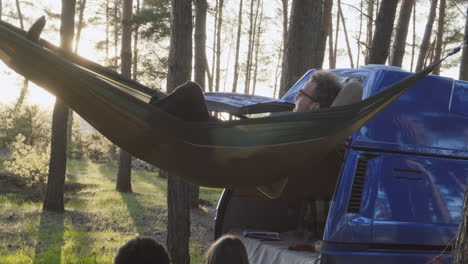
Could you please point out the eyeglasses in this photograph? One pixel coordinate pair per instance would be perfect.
(312, 98)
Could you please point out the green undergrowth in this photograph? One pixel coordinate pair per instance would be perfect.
(97, 219)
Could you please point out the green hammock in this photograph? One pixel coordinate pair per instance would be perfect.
(239, 154)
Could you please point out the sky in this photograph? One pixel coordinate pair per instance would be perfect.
(9, 81)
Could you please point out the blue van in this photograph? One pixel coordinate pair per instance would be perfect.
(400, 188)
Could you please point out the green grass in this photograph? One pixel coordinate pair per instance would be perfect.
(97, 219)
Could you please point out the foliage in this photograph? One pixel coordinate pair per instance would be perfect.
(30, 121)
(27, 161)
(154, 20)
(98, 148)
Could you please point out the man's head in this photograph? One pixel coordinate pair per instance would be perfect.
(318, 92)
(142, 250)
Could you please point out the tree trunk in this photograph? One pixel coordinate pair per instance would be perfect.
(323, 33)
(107, 28)
(218, 43)
(82, 6)
(58, 158)
(440, 36)
(213, 57)
(303, 41)
(331, 56)
(236, 59)
(20, 15)
(427, 36)
(383, 32)
(135, 46)
(116, 33)
(124, 175)
(1, 10)
(178, 193)
(350, 54)
(249, 50)
(463, 75)
(358, 41)
(399, 43)
(200, 69)
(79, 28)
(370, 26)
(335, 49)
(257, 48)
(413, 46)
(24, 88)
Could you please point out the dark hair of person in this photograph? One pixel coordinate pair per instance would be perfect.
(328, 87)
(228, 249)
(142, 250)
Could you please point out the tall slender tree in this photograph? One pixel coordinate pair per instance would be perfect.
(124, 175)
(303, 41)
(79, 27)
(350, 53)
(325, 27)
(58, 149)
(383, 32)
(464, 59)
(25, 87)
(213, 57)
(136, 34)
(370, 26)
(249, 45)
(258, 35)
(219, 27)
(440, 35)
(201, 7)
(178, 193)
(426, 41)
(399, 43)
(413, 45)
(1, 10)
(238, 38)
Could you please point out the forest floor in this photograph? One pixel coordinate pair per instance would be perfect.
(97, 219)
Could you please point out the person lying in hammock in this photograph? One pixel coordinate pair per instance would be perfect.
(188, 103)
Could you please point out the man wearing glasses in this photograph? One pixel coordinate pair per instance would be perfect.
(318, 92)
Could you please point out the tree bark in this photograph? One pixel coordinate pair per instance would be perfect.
(440, 36)
(370, 26)
(303, 42)
(463, 75)
(383, 32)
(218, 43)
(1, 10)
(213, 57)
(178, 198)
(331, 56)
(236, 59)
(107, 28)
(257, 48)
(249, 50)
(335, 49)
(324, 28)
(358, 41)
(58, 158)
(124, 175)
(413, 47)
(350, 54)
(79, 27)
(135, 45)
(399, 43)
(427, 36)
(200, 69)
(116, 33)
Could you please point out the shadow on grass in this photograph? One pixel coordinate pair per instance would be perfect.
(140, 215)
(50, 238)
